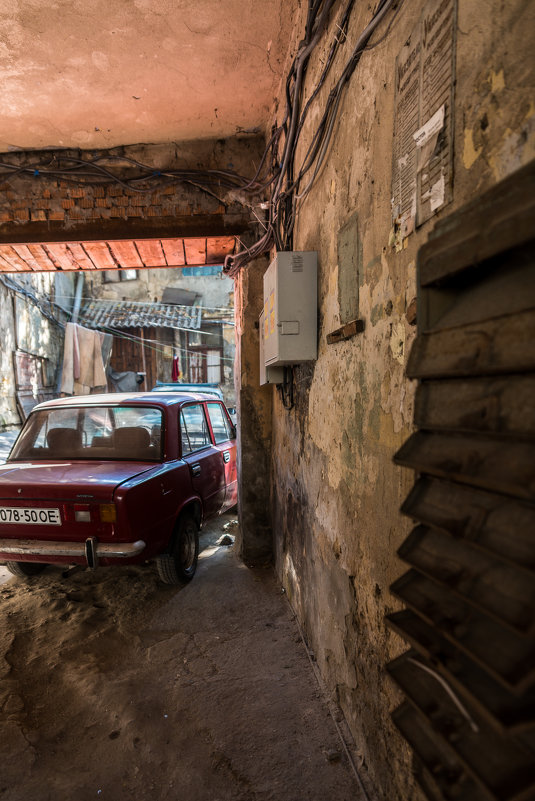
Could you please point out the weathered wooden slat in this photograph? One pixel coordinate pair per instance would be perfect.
(126, 255)
(512, 663)
(501, 708)
(217, 247)
(41, 257)
(495, 222)
(61, 256)
(80, 256)
(498, 589)
(100, 255)
(493, 405)
(500, 764)
(195, 250)
(438, 758)
(174, 252)
(495, 523)
(492, 464)
(27, 256)
(503, 345)
(15, 262)
(151, 252)
(508, 288)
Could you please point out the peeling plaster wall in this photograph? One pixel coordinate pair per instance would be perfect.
(24, 328)
(335, 491)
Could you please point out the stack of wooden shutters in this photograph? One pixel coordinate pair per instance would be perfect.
(469, 593)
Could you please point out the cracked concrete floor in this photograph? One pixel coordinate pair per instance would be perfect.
(114, 686)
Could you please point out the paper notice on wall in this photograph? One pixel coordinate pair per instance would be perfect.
(423, 121)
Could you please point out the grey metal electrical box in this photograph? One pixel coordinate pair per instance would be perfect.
(268, 375)
(290, 309)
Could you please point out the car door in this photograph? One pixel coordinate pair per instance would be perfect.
(206, 465)
(224, 437)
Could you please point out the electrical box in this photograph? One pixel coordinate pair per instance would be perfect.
(268, 375)
(290, 317)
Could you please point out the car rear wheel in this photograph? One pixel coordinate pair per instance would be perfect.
(25, 569)
(179, 566)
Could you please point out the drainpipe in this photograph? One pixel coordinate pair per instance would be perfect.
(77, 297)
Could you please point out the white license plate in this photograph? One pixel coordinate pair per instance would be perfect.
(36, 517)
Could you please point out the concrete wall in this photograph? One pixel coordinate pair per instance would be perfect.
(24, 327)
(335, 492)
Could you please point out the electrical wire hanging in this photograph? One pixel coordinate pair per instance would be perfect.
(287, 192)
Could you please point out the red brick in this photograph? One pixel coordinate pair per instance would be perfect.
(154, 211)
(122, 201)
(38, 215)
(21, 214)
(87, 203)
(102, 202)
(114, 191)
(139, 200)
(6, 216)
(56, 215)
(47, 193)
(134, 212)
(99, 191)
(68, 204)
(77, 192)
(76, 214)
(117, 212)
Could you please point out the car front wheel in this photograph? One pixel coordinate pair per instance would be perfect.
(25, 569)
(179, 566)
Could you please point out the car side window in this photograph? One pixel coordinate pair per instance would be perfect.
(219, 421)
(193, 429)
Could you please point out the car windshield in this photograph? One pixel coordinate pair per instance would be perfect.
(91, 432)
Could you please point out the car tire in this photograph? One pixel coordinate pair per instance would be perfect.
(25, 569)
(179, 566)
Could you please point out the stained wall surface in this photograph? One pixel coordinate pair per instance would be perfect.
(335, 492)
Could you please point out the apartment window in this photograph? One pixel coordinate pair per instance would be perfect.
(114, 276)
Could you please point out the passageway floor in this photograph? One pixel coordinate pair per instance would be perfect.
(115, 686)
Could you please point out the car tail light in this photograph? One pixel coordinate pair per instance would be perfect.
(82, 513)
(108, 513)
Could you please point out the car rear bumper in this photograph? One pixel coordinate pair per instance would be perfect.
(91, 549)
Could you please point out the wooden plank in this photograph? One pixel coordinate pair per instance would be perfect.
(495, 523)
(80, 256)
(345, 332)
(195, 250)
(504, 345)
(493, 405)
(492, 464)
(27, 256)
(41, 257)
(507, 656)
(151, 252)
(501, 708)
(507, 289)
(484, 581)
(11, 257)
(6, 267)
(126, 255)
(100, 255)
(174, 252)
(61, 256)
(437, 757)
(497, 221)
(219, 247)
(494, 761)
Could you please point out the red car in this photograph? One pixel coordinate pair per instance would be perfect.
(115, 479)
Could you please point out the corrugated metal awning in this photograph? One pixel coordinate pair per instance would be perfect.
(135, 314)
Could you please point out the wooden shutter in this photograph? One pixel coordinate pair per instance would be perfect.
(469, 593)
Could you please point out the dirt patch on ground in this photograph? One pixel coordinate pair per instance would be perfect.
(115, 686)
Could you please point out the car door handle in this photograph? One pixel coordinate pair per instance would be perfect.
(196, 469)
(226, 457)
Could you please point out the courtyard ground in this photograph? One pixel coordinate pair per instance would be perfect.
(115, 686)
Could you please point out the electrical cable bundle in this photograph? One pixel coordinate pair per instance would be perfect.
(287, 192)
